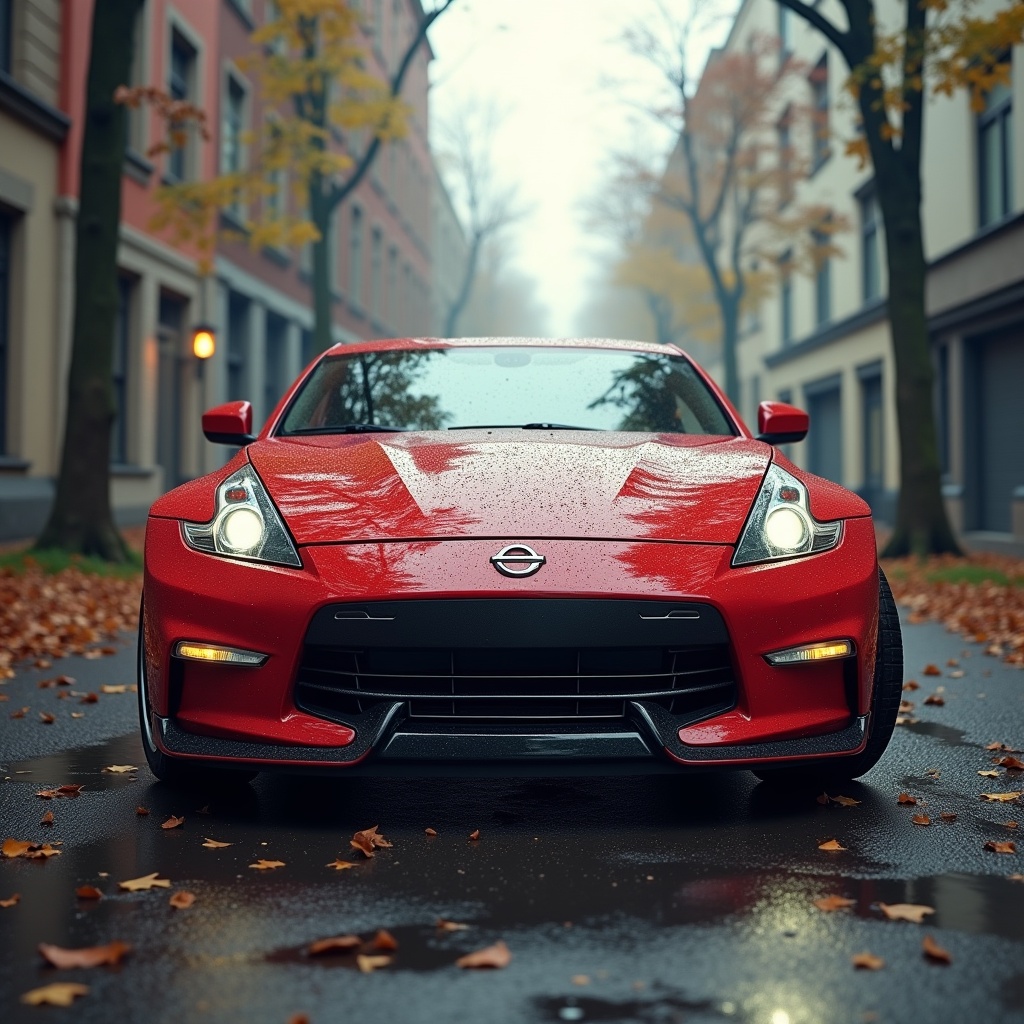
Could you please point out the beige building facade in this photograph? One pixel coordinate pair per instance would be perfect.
(821, 339)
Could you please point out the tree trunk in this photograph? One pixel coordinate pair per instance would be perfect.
(321, 214)
(466, 288)
(730, 310)
(922, 526)
(81, 519)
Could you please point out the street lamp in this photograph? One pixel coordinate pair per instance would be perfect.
(204, 341)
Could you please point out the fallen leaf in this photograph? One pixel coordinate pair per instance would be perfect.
(299, 1018)
(990, 774)
(20, 713)
(430, 832)
(580, 979)
(78, 714)
(475, 834)
(957, 673)
(1016, 878)
(496, 956)
(90, 956)
(32, 851)
(935, 700)
(831, 903)
(867, 962)
(59, 993)
(88, 892)
(931, 670)
(906, 720)
(921, 819)
(911, 684)
(947, 816)
(933, 952)
(173, 822)
(145, 882)
(823, 799)
(831, 845)
(1005, 748)
(90, 698)
(368, 840)
(906, 799)
(369, 964)
(933, 773)
(337, 944)
(107, 688)
(182, 899)
(913, 912)
(205, 809)
(952, 663)
(845, 801)
(1013, 764)
(43, 663)
(1011, 824)
(212, 844)
(70, 789)
(120, 769)
(1002, 798)
(994, 846)
(342, 865)
(142, 811)
(11, 901)
(46, 718)
(267, 865)
(382, 942)
(906, 706)
(47, 818)
(444, 925)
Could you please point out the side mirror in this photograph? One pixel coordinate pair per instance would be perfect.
(780, 423)
(230, 423)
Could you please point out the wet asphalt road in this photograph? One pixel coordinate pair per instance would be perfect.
(656, 900)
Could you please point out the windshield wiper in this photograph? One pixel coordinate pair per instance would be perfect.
(523, 426)
(348, 428)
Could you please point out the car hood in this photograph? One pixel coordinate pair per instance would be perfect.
(505, 485)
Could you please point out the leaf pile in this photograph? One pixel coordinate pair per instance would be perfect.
(980, 597)
(49, 615)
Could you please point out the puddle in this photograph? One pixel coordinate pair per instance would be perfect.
(654, 1010)
(79, 764)
(944, 733)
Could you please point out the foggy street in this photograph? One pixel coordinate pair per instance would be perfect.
(621, 899)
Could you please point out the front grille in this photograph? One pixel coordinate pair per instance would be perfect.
(515, 683)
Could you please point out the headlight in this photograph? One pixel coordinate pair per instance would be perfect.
(780, 524)
(245, 524)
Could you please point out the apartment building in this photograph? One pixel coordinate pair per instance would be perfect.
(259, 303)
(822, 340)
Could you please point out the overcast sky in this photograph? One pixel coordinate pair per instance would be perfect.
(545, 62)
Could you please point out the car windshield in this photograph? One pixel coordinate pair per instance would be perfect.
(508, 386)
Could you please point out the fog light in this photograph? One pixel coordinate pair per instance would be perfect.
(212, 652)
(811, 652)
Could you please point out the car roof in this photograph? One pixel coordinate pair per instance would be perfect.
(385, 344)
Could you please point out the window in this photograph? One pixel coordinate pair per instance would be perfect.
(5, 292)
(376, 247)
(820, 149)
(181, 86)
(786, 297)
(231, 152)
(785, 33)
(6, 25)
(355, 258)
(238, 343)
(870, 246)
(276, 200)
(785, 161)
(122, 348)
(821, 242)
(995, 157)
(872, 438)
(392, 295)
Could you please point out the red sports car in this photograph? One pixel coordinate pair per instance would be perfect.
(513, 556)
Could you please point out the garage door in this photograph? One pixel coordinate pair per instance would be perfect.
(1000, 434)
(825, 438)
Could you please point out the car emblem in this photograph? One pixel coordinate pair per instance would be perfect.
(517, 560)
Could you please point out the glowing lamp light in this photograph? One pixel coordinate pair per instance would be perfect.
(204, 341)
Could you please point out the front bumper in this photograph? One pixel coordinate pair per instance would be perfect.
(258, 716)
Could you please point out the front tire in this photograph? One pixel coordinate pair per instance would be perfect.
(176, 771)
(886, 695)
